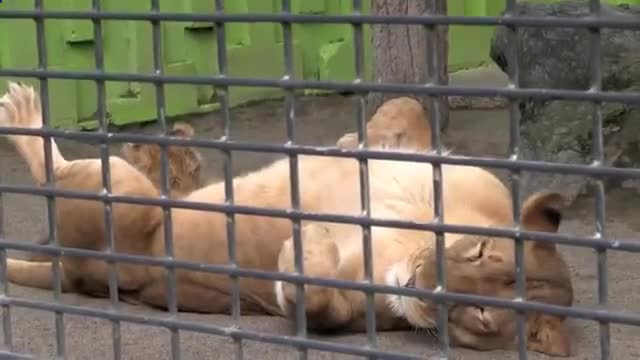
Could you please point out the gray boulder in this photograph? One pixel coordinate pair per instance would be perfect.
(558, 58)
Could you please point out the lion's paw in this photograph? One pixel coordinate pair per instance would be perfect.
(320, 259)
(348, 141)
(20, 107)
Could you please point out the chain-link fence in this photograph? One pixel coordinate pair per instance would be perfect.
(596, 170)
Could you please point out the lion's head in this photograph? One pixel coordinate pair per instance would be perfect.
(486, 266)
(184, 163)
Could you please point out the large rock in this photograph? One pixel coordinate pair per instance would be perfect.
(558, 58)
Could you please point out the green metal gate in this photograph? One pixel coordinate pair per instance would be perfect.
(321, 51)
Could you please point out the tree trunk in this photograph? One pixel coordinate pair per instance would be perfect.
(401, 52)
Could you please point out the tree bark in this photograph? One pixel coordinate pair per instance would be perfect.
(401, 52)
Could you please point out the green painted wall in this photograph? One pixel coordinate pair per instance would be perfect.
(254, 50)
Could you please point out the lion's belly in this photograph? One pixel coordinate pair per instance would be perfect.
(201, 237)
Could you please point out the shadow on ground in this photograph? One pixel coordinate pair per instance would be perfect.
(320, 121)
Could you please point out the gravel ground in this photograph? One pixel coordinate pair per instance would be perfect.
(321, 120)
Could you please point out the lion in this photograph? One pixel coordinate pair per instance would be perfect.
(184, 164)
(401, 257)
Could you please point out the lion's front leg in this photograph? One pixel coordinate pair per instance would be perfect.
(326, 308)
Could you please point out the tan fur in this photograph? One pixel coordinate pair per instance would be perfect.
(388, 127)
(398, 190)
(184, 163)
(486, 266)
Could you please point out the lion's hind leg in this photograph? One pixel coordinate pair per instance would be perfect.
(35, 274)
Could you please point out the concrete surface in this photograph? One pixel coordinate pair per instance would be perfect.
(320, 121)
(489, 75)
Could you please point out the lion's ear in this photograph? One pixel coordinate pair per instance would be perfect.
(542, 211)
(194, 160)
(549, 335)
(182, 129)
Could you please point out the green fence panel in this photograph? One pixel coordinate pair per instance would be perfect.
(469, 45)
(321, 51)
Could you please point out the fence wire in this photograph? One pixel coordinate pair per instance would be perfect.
(223, 81)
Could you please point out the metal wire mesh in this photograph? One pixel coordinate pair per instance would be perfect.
(222, 81)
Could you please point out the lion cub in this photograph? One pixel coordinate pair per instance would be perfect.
(184, 163)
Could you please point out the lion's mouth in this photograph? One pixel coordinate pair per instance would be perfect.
(429, 327)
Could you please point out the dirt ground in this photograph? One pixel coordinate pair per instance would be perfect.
(319, 121)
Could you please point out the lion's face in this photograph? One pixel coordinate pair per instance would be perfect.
(184, 163)
(486, 266)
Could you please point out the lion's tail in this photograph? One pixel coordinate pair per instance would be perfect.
(20, 107)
